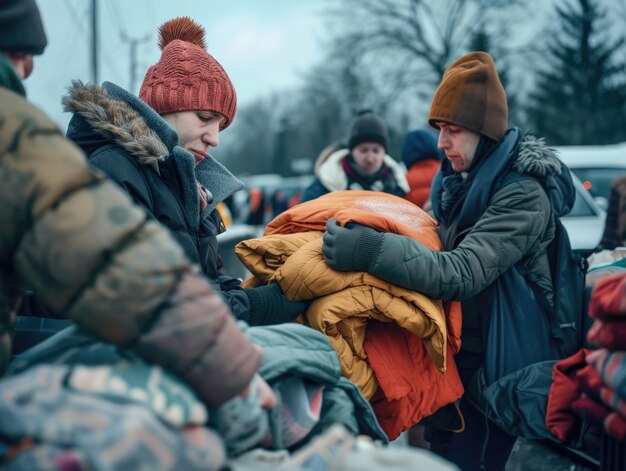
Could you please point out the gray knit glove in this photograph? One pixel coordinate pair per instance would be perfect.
(269, 306)
(350, 248)
(242, 423)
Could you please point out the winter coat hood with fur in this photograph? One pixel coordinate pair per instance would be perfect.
(111, 114)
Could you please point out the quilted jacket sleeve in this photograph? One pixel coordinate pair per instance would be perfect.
(511, 227)
(89, 253)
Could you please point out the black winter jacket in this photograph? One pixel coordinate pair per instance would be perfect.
(139, 150)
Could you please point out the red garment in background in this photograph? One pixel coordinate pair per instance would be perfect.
(420, 177)
(560, 418)
(412, 387)
(609, 334)
(614, 424)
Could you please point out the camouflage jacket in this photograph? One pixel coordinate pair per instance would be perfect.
(77, 240)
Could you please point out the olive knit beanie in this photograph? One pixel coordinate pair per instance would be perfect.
(471, 95)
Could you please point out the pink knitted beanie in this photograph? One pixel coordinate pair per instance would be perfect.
(187, 77)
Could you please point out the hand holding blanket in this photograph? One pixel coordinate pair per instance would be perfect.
(350, 248)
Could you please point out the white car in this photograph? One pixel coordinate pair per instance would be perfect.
(585, 222)
(596, 167)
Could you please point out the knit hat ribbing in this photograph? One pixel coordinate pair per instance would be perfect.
(187, 77)
(471, 95)
(367, 127)
(21, 29)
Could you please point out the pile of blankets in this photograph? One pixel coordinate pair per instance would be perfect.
(592, 383)
(76, 403)
(394, 344)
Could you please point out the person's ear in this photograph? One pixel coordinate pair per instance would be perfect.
(22, 63)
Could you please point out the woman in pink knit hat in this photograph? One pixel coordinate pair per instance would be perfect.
(157, 148)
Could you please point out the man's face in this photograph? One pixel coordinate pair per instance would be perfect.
(197, 130)
(21, 62)
(369, 157)
(459, 145)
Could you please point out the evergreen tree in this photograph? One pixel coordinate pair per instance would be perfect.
(580, 93)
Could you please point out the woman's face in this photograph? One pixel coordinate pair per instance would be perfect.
(369, 157)
(197, 130)
(459, 144)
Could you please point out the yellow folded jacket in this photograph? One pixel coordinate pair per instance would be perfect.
(344, 302)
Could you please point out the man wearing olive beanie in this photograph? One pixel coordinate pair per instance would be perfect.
(493, 214)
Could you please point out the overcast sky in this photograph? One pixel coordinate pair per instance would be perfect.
(262, 45)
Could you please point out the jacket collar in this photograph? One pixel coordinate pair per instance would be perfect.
(522, 154)
(138, 129)
(332, 175)
(9, 79)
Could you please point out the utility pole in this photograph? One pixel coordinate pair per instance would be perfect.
(94, 41)
(134, 63)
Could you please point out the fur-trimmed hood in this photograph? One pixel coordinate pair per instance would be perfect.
(110, 114)
(537, 159)
(117, 120)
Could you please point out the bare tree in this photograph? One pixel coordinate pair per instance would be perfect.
(383, 55)
(341, 85)
(247, 147)
(425, 35)
(356, 82)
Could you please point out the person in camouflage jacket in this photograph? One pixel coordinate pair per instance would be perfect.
(90, 254)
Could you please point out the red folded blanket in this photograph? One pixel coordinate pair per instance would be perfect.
(609, 334)
(608, 299)
(613, 423)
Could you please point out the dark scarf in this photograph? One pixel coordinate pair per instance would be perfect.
(353, 172)
(454, 186)
(8, 77)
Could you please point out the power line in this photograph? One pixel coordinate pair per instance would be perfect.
(119, 19)
(134, 63)
(76, 17)
(94, 40)
(70, 40)
(133, 43)
(71, 43)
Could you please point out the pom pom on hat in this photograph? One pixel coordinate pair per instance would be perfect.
(183, 28)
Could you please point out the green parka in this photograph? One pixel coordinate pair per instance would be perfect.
(517, 225)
